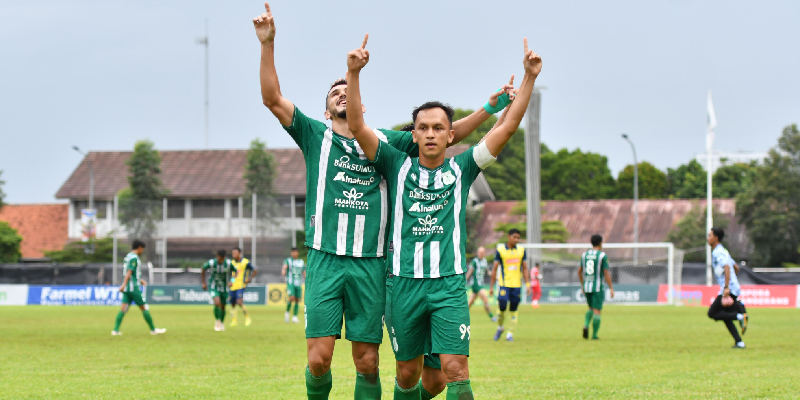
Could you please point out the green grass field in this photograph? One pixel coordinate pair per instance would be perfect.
(644, 352)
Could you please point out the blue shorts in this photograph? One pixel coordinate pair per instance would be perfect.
(508, 294)
(235, 295)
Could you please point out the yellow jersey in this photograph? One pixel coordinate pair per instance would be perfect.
(243, 270)
(510, 265)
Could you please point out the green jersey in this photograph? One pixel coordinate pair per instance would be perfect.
(294, 272)
(218, 274)
(132, 263)
(343, 191)
(594, 263)
(428, 230)
(479, 266)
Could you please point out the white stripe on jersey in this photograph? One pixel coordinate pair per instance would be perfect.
(457, 216)
(324, 154)
(419, 259)
(384, 214)
(598, 268)
(437, 180)
(423, 179)
(435, 259)
(341, 235)
(398, 215)
(358, 235)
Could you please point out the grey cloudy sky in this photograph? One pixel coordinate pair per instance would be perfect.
(101, 74)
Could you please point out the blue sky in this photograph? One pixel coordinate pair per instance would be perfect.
(102, 75)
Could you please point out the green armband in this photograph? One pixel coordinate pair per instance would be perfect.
(502, 101)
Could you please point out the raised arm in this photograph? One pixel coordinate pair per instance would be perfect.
(464, 126)
(356, 60)
(497, 138)
(280, 107)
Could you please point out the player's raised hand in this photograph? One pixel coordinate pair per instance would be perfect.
(265, 26)
(532, 61)
(359, 57)
(507, 89)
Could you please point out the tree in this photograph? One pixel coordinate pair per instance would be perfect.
(770, 207)
(690, 232)
(259, 173)
(140, 204)
(687, 181)
(574, 175)
(731, 180)
(553, 231)
(74, 252)
(652, 182)
(9, 244)
(2, 193)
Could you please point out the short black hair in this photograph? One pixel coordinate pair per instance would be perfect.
(597, 240)
(340, 81)
(295, 249)
(408, 128)
(513, 231)
(719, 233)
(221, 253)
(137, 244)
(434, 104)
(237, 249)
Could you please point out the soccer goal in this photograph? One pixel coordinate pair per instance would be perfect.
(642, 273)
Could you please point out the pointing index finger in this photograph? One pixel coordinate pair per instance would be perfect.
(364, 45)
(511, 81)
(266, 6)
(525, 40)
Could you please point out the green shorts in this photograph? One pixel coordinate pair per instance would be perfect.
(433, 361)
(427, 316)
(477, 288)
(349, 288)
(294, 290)
(223, 296)
(595, 300)
(133, 297)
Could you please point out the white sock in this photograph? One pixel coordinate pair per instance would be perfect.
(739, 317)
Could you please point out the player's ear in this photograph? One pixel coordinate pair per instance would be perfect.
(328, 115)
(451, 136)
(363, 109)
(414, 135)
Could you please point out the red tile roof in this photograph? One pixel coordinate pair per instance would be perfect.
(613, 219)
(42, 226)
(193, 173)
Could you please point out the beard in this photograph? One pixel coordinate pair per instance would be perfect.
(341, 114)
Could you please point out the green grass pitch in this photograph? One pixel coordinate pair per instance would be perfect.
(644, 352)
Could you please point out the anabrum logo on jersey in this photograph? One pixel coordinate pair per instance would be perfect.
(418, 194)
(343, 177)
(427, 226)
(344, 162)
(352, 201)
(417, 207)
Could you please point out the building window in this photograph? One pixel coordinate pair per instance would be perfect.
(247, 212)
(99, 205)
(208, 208)
(176, 208)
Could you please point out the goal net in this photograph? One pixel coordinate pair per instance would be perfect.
(642, 273)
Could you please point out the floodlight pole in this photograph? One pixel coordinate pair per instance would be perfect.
(532, 173)
(635, 200)
(204, 41)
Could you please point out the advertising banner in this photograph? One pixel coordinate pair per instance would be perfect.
(74, 295)
(13, 295)
(622, 294)
(194, 294)
(88, 224)
(276, 294)
(778, 296)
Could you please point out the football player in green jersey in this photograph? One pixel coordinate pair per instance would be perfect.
(132, 290)
(428, 312)
(476, 279)
(594, 267)
(217, 285)
(347, 270)
(294, 270)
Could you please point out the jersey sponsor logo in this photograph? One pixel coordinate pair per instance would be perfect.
(341, 176)
(418, 194)
(428, 226)
(448, 178)
(417, 207)
(413, 177)
(352, 201)
(344, 162)
(512, 261)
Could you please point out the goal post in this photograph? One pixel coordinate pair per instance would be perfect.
(654, 276)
